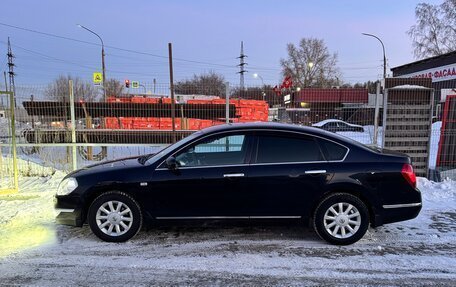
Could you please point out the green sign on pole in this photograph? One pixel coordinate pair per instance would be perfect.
(135, 84)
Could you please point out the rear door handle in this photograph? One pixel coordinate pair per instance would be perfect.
(319, 171)
(233, 175)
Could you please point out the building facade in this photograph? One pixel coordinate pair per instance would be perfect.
(441, 69)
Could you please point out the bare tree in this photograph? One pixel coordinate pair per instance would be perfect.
(371, 86)
(59, 89)
(210, 84)
(310, 64)
(113, 87)
(435, 30)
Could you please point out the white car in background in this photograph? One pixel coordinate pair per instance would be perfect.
(334, 125)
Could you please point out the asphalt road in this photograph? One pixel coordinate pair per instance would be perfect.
(240, 254)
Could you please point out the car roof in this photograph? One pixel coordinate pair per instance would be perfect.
(278, 127)
(319, 124)
(327, 121)
(260, 125)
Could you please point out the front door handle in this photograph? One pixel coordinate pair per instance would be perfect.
(319, 171)
(233, 175)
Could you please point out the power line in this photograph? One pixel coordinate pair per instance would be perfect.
(76, 64)
(53, 58)
(112, 47)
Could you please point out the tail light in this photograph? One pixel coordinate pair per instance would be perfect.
(408, 174)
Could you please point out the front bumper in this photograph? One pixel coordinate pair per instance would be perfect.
(68, 210)
(68, 217)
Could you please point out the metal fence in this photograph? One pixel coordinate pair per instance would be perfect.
(68, 128)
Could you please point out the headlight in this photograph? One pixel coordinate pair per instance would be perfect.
(66, 186)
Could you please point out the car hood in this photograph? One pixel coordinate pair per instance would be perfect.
(108, 166)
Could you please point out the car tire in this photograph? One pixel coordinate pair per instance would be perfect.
(115, 216)
(341, 219)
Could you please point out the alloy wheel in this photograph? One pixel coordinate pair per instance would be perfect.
(342, 220)
(114, 218)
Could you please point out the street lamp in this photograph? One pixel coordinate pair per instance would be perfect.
(377, 104)
(145, 91)
(102, 57)
(384, 55)
(307, 72)
(256, 76)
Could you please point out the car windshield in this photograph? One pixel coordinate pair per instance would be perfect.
(154, 157)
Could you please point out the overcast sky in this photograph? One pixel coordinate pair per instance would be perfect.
(206, 36)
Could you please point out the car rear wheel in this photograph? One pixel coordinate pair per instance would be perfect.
(341, 219)
(115, 217)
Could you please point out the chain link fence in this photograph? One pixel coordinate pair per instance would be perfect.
(69, 129)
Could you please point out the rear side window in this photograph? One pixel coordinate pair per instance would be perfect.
(331, 125)
(277, 149)
(334, 151)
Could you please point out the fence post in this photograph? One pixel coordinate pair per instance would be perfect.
(227, 98)
(430, 134)
(13, 138)
(385, 110)
(377, 110)
(73, 127)
(171, 86)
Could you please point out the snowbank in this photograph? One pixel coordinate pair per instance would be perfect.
(443, 192)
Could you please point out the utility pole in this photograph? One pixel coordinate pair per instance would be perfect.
(171, 86)
(11, 72)
(241, 65)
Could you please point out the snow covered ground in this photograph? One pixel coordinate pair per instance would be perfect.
(36, 252)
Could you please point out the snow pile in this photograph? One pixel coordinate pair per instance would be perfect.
(409, 87)
(26, 218)
(442, 192)
(366, 137)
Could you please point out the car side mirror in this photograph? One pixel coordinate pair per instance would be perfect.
(171, 163)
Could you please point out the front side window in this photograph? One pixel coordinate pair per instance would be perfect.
(224, 150)
(278, 149)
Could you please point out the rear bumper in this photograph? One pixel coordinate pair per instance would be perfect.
(397, 212)
(401, 212)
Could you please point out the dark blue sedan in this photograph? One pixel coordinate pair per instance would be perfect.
(246, 171)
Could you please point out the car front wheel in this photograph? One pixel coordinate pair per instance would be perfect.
(341, 219)
(114, 217)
